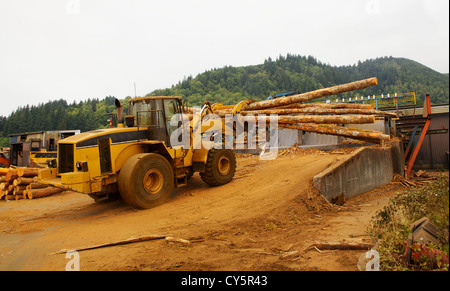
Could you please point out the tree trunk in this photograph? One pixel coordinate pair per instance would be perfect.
(310, 110)
(36, 185)
(11, 175)
(327, 119)
(328, 106)
(359, 134)
(3, 171)
(23, 181)
(358, 85)
(18, 190)
(38, 193)
(27, 172)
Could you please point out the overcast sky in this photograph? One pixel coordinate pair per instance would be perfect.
(80, 49)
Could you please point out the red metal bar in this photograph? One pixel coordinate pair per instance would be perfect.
(412, 159)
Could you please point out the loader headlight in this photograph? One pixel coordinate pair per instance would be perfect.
(82, 166)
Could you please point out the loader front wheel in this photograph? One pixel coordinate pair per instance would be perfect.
(220, 167)
(146, 180)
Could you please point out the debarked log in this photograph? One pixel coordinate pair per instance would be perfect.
(310, 110)
(328, 106)
(359, 134)
(36, 185)
(27, 172)
(23, 181)
(326, 119)
(308, 96)
(318, 119)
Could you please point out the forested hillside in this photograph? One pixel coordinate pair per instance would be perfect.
(229, 85)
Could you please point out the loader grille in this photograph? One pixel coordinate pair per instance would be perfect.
(65, 158)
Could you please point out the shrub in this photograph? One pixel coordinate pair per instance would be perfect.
(392, 225)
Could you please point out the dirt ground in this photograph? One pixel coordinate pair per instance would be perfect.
(264, 220)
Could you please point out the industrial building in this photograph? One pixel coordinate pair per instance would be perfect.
(24, 146)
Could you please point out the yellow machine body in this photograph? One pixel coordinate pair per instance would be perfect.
(90, 162)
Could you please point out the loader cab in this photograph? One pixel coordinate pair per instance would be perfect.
(155, 114)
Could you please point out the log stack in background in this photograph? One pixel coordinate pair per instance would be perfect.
(21, 183)
(319, 118)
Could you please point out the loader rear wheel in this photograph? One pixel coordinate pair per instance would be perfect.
(220, 167)
(146, 180)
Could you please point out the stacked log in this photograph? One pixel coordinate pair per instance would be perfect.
(22, 183)
(318, 118)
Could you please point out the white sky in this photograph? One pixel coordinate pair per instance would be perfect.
(80, 49)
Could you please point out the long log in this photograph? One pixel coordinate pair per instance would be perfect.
(11, 175)
(327, 105)
(359, 134)
(23, 181)
(36, 185)
(310, 110)
(39, 193)
(358, 85)
(3, 171)
(27, 172)
(327, 119)
(318, 119)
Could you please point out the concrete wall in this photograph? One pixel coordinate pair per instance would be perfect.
(366, 169)
(310, 138)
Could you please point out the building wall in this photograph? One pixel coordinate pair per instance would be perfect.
(433, 153)
(21, 144)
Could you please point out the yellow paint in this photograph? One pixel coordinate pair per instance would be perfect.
(75, 178)
(239, 106)
(48, 173)
(200, 155)
(93, 181)
(122, 154)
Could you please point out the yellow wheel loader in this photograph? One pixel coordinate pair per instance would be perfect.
(140, 158)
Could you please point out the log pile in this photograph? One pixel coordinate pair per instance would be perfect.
(22, 183)
(328, 118)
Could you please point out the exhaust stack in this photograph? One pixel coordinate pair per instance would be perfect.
(119, 107)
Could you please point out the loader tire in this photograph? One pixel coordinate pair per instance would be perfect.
(146, 180)
(220, 167)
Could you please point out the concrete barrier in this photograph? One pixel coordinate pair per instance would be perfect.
(366, 169)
